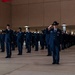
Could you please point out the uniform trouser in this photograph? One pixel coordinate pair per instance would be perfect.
(49, 50)
(36, 46)
(8, 49)
(55, 54)
(42, 44)
(20, 47)
(13, 46)
(28, 47)
(3, 46)
(32, 44)
(63, 46)
(0, 44)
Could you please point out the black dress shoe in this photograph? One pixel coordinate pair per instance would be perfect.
(28, 52)
(19, 54)
(36, 50)
(53, 63)
(2, 51)
(8, 57)
(42, 49)
(57, 63)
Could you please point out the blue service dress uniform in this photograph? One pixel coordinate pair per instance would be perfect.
(33, 41)
(55, 41)
(20, 40)
(8, 40)
(28, 41)
(13, 43)
(47, 37)
(41, 38)
(2, 42)
(36, 39)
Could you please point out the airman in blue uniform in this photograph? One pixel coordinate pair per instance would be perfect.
(33, 41)
(47, 37)
(41, 38)
(20, 40)
(2, 41)
(36, 38)
(55, 41)
(8, 40)
(28, 40)
(13, 43)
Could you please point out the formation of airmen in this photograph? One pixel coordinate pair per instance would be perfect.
(51, 38)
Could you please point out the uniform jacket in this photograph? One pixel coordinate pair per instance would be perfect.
(20, 37)
(28, 37)
(9, 35)
(55, 37)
